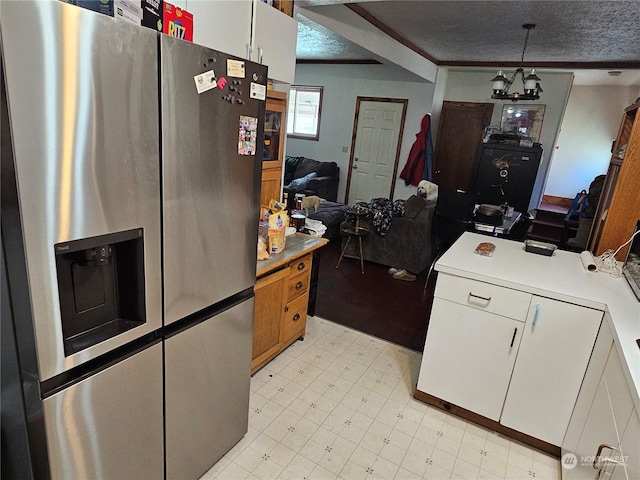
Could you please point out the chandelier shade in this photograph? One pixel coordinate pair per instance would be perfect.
(530, 84)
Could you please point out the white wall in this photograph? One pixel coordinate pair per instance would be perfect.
(342, 85)
(589, 127)
(475, 86)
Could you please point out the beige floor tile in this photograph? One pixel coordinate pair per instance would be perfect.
(404, 474)
(465, 470)
(471, 454)
(519, 460)
(234, 472)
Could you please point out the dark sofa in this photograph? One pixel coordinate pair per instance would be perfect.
(324, 184)
(407, 244)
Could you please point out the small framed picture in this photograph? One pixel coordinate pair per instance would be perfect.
(523, 119)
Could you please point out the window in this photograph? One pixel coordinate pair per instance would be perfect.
(303, 120)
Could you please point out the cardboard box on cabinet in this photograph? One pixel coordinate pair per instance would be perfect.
(152, 14)
(129, 10)
(101, 6)
(177, 22)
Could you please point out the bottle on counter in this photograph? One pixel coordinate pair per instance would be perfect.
(297, 216)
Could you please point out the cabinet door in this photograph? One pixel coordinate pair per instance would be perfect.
(629, 446)
(599, 429)
(592, 377)
(270, 185)
(223, 25)
(468, 357)
(268, 333)
(556, 345)
(276, 35)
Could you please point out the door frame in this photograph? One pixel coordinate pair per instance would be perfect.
(403, 101)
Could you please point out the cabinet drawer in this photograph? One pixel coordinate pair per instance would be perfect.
(298, 285)
(296, 317)
(301, 265)
(483, 296)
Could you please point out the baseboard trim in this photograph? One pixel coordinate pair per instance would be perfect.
(487, 423)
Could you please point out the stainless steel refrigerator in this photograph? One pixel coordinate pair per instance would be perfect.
(129, 199)
(212, 111)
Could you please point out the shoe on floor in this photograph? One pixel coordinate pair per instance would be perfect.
(394, 270)
(404, 275)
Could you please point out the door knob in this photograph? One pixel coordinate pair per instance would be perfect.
(356, 159)
(355, 167)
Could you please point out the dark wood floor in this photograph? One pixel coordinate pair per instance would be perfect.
(374, 303)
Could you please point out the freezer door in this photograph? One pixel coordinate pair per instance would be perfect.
(83, 107)
(210, 177)
(109, 425)
(207, 375)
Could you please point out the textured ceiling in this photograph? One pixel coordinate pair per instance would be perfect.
(462, 32)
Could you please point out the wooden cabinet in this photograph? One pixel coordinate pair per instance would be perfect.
(619, 206)
(506, 355)
(280, 318)
(268, 332)
(274, 138)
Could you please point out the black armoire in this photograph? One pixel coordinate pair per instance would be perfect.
(506, 173)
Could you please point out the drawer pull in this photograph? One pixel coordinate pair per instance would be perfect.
(513, 339)
(535, 316)
(299, 285)
(486, 299)
(301, 266)
(296, 317)
(596, 460)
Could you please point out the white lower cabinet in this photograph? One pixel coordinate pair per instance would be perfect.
(610, 434)
(469, 356)
(630, 446)
(553, 356)
(598, 430)
(524, 371)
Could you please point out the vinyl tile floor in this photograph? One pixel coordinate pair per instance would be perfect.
(339, 405)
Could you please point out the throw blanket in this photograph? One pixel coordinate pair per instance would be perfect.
(380, 211)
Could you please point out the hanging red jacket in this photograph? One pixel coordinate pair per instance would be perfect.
(419, 165)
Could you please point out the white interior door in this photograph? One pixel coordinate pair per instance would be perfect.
(379, 125)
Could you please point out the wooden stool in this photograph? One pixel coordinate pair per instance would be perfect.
(355, 231)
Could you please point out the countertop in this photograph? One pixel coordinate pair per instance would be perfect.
(561, 277)
(296, 246)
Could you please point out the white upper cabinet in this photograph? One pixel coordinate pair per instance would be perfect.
(223, 25)
(275, 39)
(231, 26)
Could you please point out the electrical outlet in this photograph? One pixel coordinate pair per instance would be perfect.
(345, 149)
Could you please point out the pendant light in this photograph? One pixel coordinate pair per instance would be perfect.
(530, 83)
